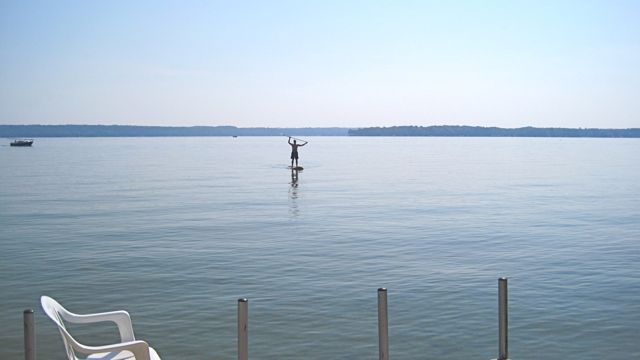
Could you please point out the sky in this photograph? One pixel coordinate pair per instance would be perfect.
(321, 63)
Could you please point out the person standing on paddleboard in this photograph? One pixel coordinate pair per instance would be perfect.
(294, 150)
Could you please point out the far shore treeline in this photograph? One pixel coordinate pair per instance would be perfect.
(493, 132)
(33, 131)
(139, 131)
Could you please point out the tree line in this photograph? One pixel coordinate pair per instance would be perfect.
(16, 131)
(12, 131)
(447, 130)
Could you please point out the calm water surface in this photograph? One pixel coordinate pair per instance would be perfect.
(175, 230)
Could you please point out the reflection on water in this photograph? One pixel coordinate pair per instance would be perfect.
(293, 194)
(294, 178)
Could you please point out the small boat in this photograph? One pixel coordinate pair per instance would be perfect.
(22, 142)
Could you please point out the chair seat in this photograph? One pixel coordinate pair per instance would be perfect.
(121, 355)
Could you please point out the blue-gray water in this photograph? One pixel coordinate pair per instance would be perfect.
(175, 230)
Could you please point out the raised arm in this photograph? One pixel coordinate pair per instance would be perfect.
(289, 141)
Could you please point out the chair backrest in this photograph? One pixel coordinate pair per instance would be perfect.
(56, 312)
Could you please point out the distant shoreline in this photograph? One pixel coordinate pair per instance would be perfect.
(40, 131)
(12, 131)
(479, 131)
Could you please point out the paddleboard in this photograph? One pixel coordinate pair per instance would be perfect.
(296, 168)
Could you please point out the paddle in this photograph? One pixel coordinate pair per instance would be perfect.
(291, 137)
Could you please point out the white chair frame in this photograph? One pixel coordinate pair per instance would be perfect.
(138, 348)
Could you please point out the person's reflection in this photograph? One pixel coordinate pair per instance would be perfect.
(293, 193)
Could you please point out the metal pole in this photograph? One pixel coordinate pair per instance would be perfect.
(29, 335)
(503, 320)
(383, 325)
(243, 329)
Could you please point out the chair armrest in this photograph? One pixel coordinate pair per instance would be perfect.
(120, 317)
(139, 348)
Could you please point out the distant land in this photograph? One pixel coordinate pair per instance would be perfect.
(13, 131)
(35, 131)
(447, 130)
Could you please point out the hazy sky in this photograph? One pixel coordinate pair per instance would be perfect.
(321, 63)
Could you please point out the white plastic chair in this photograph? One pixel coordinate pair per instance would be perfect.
(129, 348)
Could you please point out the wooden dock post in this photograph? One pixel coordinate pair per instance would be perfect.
(243, 329)
(29, 335)
(503, 320)
(383, 325)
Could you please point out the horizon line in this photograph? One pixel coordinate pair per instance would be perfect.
(326, 127)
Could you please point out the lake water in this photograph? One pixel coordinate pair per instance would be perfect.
(175, 230)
